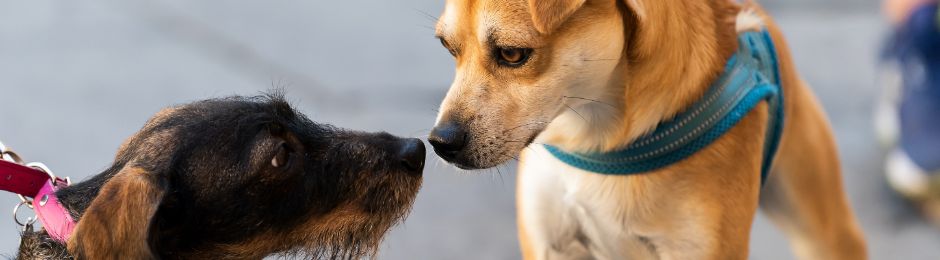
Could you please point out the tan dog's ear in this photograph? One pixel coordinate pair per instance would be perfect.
(547, 15)
(638, 8)
(117, 223)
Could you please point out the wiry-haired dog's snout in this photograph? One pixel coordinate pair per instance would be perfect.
(240, 178)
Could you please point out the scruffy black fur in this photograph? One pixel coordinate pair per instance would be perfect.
(38, 245)
(209, 170)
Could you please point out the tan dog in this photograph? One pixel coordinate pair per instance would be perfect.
(594, 75)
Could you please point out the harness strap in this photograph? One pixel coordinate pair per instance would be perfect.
(750, 77)
(55, 219)
(20, 179)
(31, 182)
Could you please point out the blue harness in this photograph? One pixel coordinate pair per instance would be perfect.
(750, 77)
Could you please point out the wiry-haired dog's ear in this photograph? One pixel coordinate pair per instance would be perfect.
(547, 15)
(117, 223)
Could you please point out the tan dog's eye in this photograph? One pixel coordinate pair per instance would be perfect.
(512, 57)
(447, 46)
(282, 156)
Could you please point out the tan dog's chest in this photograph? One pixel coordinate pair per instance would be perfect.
(574, 214)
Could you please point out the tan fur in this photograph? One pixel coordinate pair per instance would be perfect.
(631, 65)
(679, 45)
(117, 223)
(748, 21)
(525, 243)
(548, 15)
(339, 221)
(160, 116)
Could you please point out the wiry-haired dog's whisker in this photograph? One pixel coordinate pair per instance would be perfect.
(420, 133)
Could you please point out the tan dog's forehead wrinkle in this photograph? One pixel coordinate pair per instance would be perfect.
(506, 24)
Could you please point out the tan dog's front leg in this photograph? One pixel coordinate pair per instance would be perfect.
(716, 194)
(546, 228)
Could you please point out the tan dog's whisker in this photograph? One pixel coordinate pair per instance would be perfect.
(427, 15)
(427, 27)
(522, 142)
(592, 100)
(600, 60)
(500, 174)
(524, 125)
(576, 112)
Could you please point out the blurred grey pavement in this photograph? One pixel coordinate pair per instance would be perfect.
(76, 78)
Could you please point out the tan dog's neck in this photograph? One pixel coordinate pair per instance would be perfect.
(667, 64)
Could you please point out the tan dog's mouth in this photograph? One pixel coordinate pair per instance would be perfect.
(457, 145)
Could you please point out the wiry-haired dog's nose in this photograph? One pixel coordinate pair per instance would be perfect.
(412, 155)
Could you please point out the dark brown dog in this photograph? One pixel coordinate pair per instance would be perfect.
(239, 178)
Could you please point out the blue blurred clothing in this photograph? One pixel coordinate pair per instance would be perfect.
(916, 45)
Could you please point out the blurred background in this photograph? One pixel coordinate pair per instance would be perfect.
(76, 78)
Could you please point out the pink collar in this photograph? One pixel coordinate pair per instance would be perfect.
(37, 182)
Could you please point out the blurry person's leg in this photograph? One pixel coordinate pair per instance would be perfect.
(913, 167)
(899, 14)
(898, 11)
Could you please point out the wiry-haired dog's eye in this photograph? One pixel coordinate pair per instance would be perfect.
(282, 157)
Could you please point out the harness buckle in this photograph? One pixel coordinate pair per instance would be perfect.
(29, 220)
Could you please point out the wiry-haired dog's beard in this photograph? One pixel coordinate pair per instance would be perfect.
(39, 245)
(352, 241)
(359, 236)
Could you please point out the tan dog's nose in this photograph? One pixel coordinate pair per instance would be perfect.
(448, 139)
